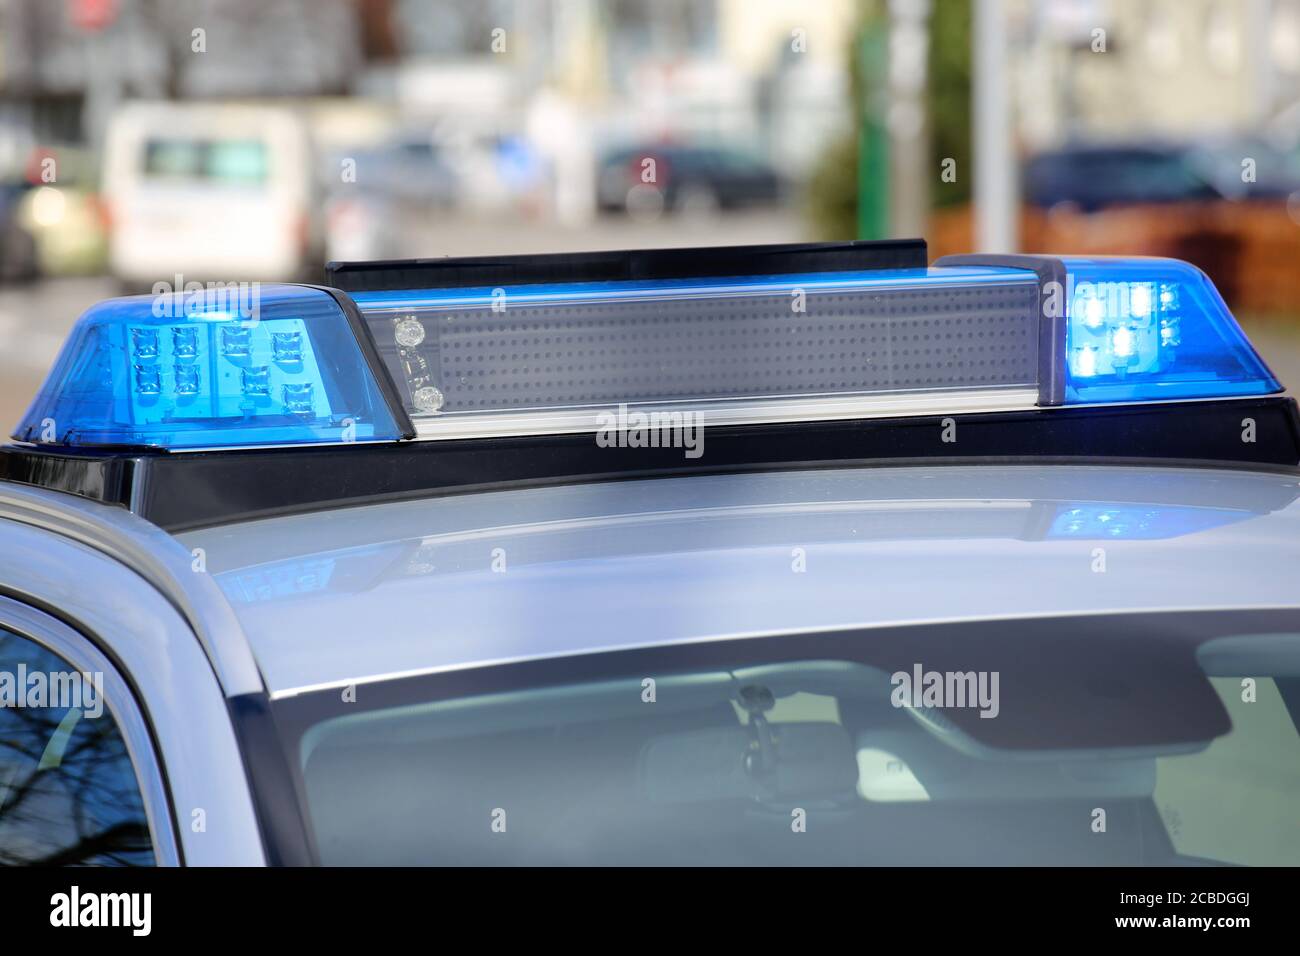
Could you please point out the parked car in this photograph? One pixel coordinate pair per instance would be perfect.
(684, 178)
(63, 213)
(364, 222)
(1094, 177)
(411, 169)
(1247, 168)
(17, 247)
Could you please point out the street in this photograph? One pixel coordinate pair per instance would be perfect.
(1277, 338)
(34, 322)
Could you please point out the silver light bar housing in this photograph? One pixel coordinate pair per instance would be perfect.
(550, 359)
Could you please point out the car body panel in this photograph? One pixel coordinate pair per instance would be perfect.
(174, 571)
(371, 592)
(177, 689)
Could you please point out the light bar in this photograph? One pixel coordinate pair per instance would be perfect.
(1153, 329)
(435, 350)
(550, 358)
(226, 367)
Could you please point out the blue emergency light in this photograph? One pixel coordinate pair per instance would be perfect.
(1152, 329)
(305, 365)
(224, 367)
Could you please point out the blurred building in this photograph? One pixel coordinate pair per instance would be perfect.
(1177, 69)
(762, 71)
(578, 78)
(567, 79)
(66, 64)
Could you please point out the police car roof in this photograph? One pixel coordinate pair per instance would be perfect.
(385, 590)
(415, 471)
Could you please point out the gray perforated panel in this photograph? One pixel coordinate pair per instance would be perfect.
(598, 353)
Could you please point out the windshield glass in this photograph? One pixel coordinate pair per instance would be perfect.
(1136, 739)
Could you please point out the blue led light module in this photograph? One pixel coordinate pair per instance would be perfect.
(189, 371)
(1152, 329)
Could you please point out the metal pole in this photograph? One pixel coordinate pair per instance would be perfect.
(909, 141)
(1259, 22)
(996, 200)
(873, 133)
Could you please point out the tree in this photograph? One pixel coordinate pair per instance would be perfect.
(833, 187)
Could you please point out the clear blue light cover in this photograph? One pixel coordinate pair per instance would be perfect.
(1152, 329)
(230, 366)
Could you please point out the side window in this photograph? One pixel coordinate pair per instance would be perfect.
(68, 788)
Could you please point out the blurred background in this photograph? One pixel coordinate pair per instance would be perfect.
(146, 141)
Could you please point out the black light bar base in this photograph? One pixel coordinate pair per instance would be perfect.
(185, 491)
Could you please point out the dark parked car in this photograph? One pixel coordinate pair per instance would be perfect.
(685, 178)
(1248, 168)
(1093, 177)
(17, 246)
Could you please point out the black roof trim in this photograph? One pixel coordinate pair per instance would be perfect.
(690, 263)
(199, 489)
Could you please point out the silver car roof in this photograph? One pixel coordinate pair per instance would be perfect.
(366, 593)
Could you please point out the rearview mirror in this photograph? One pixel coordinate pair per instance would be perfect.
(814, 760)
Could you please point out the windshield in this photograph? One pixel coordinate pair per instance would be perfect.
(1135, 739)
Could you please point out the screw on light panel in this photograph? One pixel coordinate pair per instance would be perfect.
(409, 332)
(428, 399)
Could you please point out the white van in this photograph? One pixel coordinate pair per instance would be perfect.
(214, 192)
